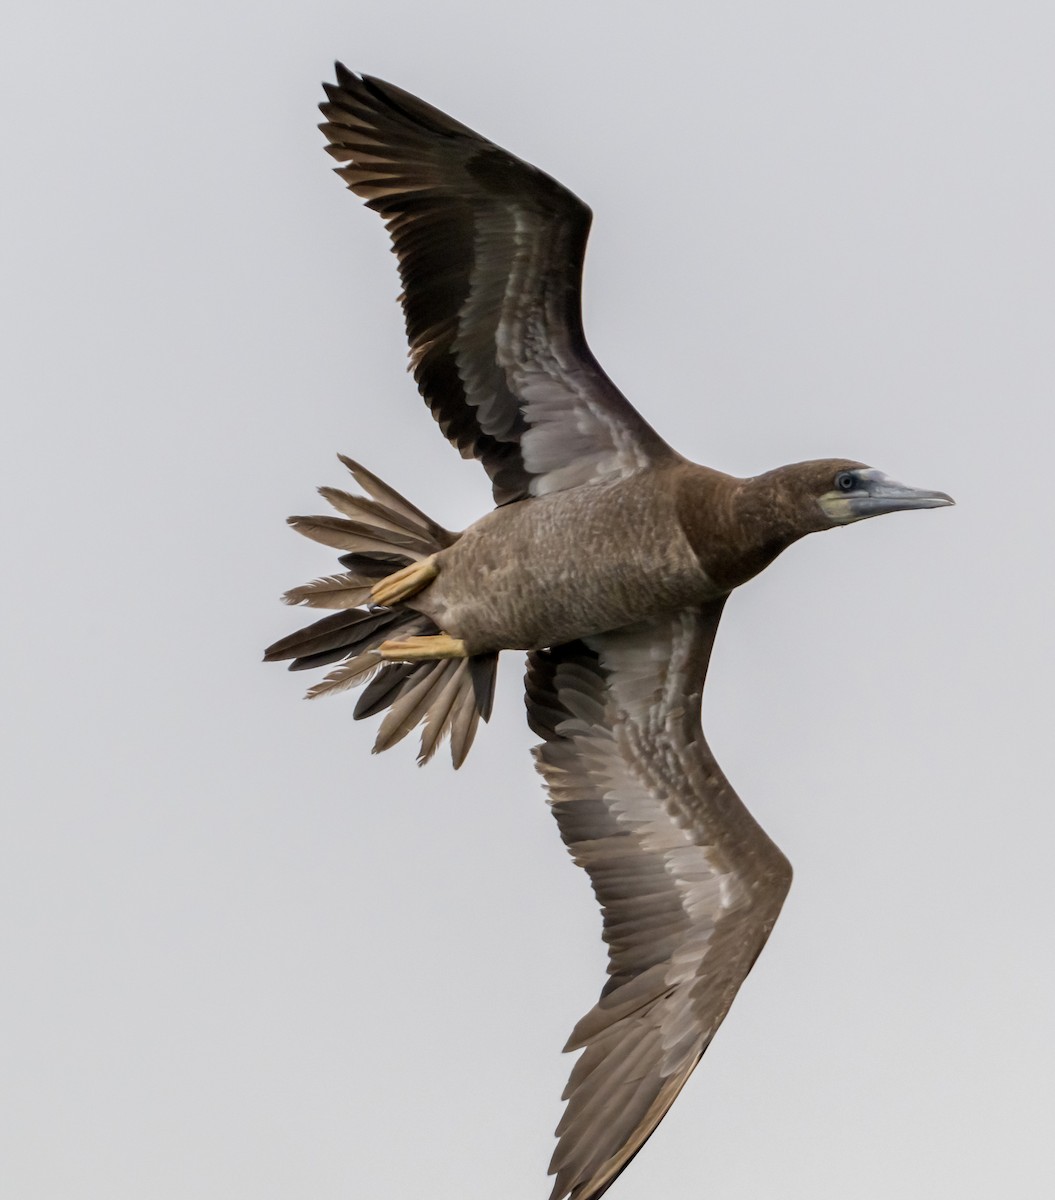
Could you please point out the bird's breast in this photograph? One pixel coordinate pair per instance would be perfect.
(564, 566)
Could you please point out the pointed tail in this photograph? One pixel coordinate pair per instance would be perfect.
(381, 533)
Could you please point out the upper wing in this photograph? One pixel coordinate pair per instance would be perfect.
(689, 884)
(490, 253)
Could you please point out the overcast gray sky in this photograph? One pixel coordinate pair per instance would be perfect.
(242, 957)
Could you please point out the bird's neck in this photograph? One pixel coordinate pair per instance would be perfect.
(736, 527)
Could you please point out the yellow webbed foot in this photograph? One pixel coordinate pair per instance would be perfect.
(416, 649)
(401, 584)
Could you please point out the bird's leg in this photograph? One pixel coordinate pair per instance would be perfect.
(401, 584)
(417, 649)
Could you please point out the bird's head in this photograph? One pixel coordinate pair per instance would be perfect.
(769, 512)
(835, 491)
(810, 496)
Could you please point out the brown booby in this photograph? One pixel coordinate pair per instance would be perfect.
(608, 557)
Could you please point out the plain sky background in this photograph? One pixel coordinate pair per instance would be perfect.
(244, 959)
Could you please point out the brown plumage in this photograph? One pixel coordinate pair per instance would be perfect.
(609, 557)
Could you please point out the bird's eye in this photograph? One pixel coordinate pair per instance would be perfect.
(845, 481)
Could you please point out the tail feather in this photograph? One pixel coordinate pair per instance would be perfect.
(332, 591)
(322, 659)
(380, 692)
(374, 564)
(484, 671)
(349, 674)
(437, 722)
(382, 533)
(371, 512)
(437, 719)
(343, 534)
(464, 722)
(412, 706)
(388, 496)
(350, 632)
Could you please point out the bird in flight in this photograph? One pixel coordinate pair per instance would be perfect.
(608, 557)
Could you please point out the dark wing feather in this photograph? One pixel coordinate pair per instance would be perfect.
(490, 253)
(689, 884)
